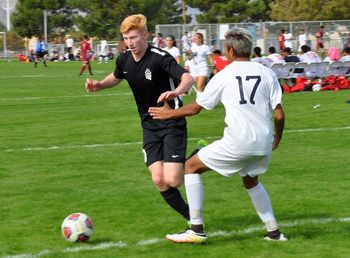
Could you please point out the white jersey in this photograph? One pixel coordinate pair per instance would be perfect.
(69, 42)
(200, 55)
(250, 92)
(174, 51)
(276, 58)
(185, 43)
(309, 57)
(104, 47)
(263, 60)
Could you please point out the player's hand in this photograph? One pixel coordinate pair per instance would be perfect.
(168, 95)
(160, 113)
(92, 85)
(275, 143)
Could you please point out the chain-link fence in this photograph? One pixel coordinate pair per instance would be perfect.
(265, 34)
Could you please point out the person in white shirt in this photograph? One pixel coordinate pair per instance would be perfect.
(104, 51)
(275, 57)
(345, 55)
(251, 95)
(185, 43)
(259, 59)
(69, 44)
(170, 47)
(288, 39)
(302, 39)
(309, 56)
(201, 54)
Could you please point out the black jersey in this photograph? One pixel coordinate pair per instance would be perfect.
(156, 72)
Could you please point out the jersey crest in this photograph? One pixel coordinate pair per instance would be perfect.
(148, 74)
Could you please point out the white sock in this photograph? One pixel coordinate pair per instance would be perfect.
(261, 202)
(195, 194)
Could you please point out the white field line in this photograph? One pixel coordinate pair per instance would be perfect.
(138, 142)
(154, 241)
(43, 75)
(67, 97)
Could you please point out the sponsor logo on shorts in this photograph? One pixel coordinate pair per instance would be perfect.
(175, 156)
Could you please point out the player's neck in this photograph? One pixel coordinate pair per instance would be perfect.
(240, 59)
(137, 56)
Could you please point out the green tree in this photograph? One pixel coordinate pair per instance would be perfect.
(104, 17)
(310, 10)
(27, 19)
(95, 17)
(225, 11)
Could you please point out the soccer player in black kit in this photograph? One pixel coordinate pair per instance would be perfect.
(150, 72)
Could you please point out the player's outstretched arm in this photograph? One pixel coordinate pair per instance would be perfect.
(94, 85)
(185, 85)
(279, 125)
(166, 112)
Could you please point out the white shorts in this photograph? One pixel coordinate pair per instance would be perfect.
(227, 164)
(199, 70)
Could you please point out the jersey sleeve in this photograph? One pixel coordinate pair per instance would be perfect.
(171, 67)
(212, 93)
(118, 72)
(275, 93)
(207, 50)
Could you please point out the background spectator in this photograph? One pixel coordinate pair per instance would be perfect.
(171, 48)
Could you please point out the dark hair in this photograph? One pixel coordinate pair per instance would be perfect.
(347, 50)
(86, 37)
(305, 48)
(217, 51)
(257, 51)
(287, 50)
(282, 30)
(199, 34)
(172, 38)
(272, 50)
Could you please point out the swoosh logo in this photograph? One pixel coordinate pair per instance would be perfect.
(175, 156)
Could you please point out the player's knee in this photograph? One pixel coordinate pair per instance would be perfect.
(250, 182)
(158, 181)
(174, 181)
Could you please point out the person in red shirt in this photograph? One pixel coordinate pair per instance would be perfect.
(85, 54)
(281, 40)
(219, 61)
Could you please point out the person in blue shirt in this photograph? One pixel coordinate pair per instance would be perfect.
(40, 52)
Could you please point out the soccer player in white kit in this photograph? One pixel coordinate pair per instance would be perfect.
(251, 95)
(201, 54)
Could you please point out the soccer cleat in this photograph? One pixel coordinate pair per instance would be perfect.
(275, 236)
(188, 236)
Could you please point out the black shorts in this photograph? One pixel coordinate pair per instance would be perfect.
(168, 144)
(40, 54)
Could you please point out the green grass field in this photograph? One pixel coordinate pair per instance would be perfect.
(63, 150)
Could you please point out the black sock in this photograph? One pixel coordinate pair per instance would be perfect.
(173, 197)
(197, 228)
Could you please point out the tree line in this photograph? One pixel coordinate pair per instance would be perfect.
(103, 17)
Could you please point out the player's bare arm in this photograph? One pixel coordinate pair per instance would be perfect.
(185, 85)
(94, 85)
(279, 125)
(166, 112)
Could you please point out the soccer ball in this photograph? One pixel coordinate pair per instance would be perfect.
(316, 87)
(77, 227)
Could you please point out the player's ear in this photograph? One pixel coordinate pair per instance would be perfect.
(145, 35)
(230, 53)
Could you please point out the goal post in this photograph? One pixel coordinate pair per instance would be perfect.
(4, 50)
